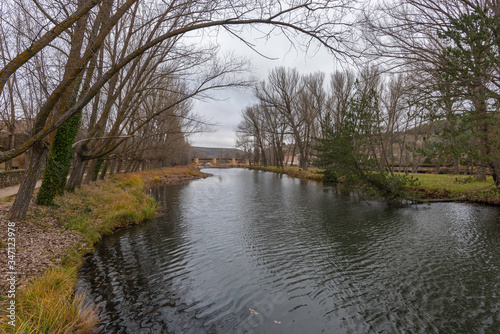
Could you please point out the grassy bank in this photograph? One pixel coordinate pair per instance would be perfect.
(432, 187)
(311, 173)
(48, 303)
(457, 187)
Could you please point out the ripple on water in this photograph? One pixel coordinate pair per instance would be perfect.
(250, 252)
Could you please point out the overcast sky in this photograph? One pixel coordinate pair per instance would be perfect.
(227, 110)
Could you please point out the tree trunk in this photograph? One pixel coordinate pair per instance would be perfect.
(256, 155)
(104, 170)
(137, 166)
(118, 166)
(481, 171)
(264, 158)
(59, 161)
(75, 179)
(27, 157)
(482, 126)
(112, 167)
(456, 169)
(127, 169)
(90, 171)
(10, 145)
(97, 168)
(23, 198)
(303, 157)
(438, 167)
(495, 174)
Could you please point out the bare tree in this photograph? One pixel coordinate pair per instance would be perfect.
(341, 89)
(253, 125)
(281, 94)
(37, 45)
(311, 105)
(71, 92)
(322, 22)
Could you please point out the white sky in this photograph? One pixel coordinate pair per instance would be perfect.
(227, 109)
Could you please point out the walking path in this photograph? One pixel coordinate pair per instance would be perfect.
(10, 191)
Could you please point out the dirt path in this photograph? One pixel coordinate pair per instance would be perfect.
(10, 191)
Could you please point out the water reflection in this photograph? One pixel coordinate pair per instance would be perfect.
(255, 252)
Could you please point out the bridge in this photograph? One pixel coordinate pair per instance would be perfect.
(220, 162)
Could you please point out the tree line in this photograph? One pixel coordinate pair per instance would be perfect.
(109, 84)
(105, 83)
(425, 90)
(296, 111)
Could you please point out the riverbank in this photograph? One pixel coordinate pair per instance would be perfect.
(456, 188)
(431, 188)
(310, 174)
(51, 243)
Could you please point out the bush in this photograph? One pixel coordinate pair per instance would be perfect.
(330, 176)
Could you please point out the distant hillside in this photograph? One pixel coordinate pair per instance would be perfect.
(216, 152)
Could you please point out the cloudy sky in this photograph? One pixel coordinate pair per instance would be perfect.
(226, 110)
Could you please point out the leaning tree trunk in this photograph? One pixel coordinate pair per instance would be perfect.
(137, 166)
(59, 161)
(23, 198)
(129, 166)
(118, 166)
(104, 170)
(112, 167)
(90, 171)
(76, 176)
(97, 168)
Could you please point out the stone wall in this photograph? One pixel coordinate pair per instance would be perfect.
(11, 178)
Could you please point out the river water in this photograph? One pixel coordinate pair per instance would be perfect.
(256, 252)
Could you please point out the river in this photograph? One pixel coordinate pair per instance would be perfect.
(256, 252)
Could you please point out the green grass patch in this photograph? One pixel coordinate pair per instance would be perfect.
(462, 187)
(453, 184)
(7, 199)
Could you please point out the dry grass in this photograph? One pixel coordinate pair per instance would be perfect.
(49, 304)
(171, 175)
(98, 209)
(311, 173)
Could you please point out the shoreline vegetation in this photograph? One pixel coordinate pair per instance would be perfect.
(52, 241)
(430, 188)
